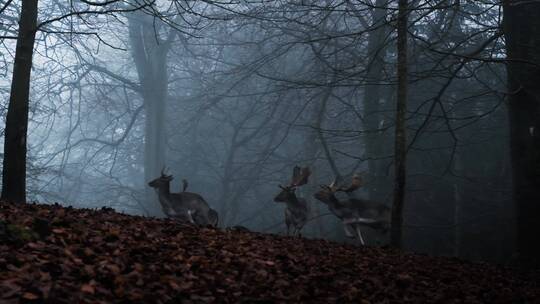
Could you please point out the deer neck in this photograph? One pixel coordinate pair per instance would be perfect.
(164, 191)
(295, 203)
(334, 202)
(293, 200)
(164, 196)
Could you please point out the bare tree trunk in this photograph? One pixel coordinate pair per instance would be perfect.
(458, 207)
(311, 150)
(150, 55)
(373, 121)
(339, 233)
(400, 154)
(522, 32)
(14, 170)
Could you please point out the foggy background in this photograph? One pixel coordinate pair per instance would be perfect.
(231, 96)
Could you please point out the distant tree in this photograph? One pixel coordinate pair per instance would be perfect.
(400, 149)
(522, 32)
(149, 50)
(374, 95)
(15, 142)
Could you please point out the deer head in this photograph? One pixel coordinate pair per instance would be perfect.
(161, 181)
(327, 192)
(353, 212)
(299, 178)
(297, 209)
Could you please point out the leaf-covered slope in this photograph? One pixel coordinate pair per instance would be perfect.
(64, 255)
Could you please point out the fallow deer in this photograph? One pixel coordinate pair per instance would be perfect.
(297, 210)
(184, 206)
(354, 212)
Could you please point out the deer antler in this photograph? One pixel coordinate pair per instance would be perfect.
(300, 176)
(164, 171)
(355, 184)
(333, 186)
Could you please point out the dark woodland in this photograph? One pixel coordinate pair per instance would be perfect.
(318, 151)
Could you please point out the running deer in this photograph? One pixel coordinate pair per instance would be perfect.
(354, 212)
(184, 206)
(297, 210)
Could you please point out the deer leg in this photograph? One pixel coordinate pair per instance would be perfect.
(348, 230)
(359, 233)
(213, 217)
(190, 217)
(288, 222)
(296, 229)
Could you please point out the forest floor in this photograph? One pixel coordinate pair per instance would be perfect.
(52, 254)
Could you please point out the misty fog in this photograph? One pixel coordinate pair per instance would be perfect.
(231, 96)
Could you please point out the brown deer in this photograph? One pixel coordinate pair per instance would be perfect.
(297, 209)
(183, 206)
(354, 212)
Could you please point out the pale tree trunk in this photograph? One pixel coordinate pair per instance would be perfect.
(522, 32)
(339, 233)
(400, 151)
(311, 150)
(150, 55)
(14, 170)
(226, 182)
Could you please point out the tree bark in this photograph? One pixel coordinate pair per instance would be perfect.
(373, 121)
(400, 150)
(150, 56)
(14, 170)
(311, 150)
(522, 32)
(458, 207)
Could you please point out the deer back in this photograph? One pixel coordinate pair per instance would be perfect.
(368, 208)
(353, 208)
(189, 201)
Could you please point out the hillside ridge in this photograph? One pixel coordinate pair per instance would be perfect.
(55, 254)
